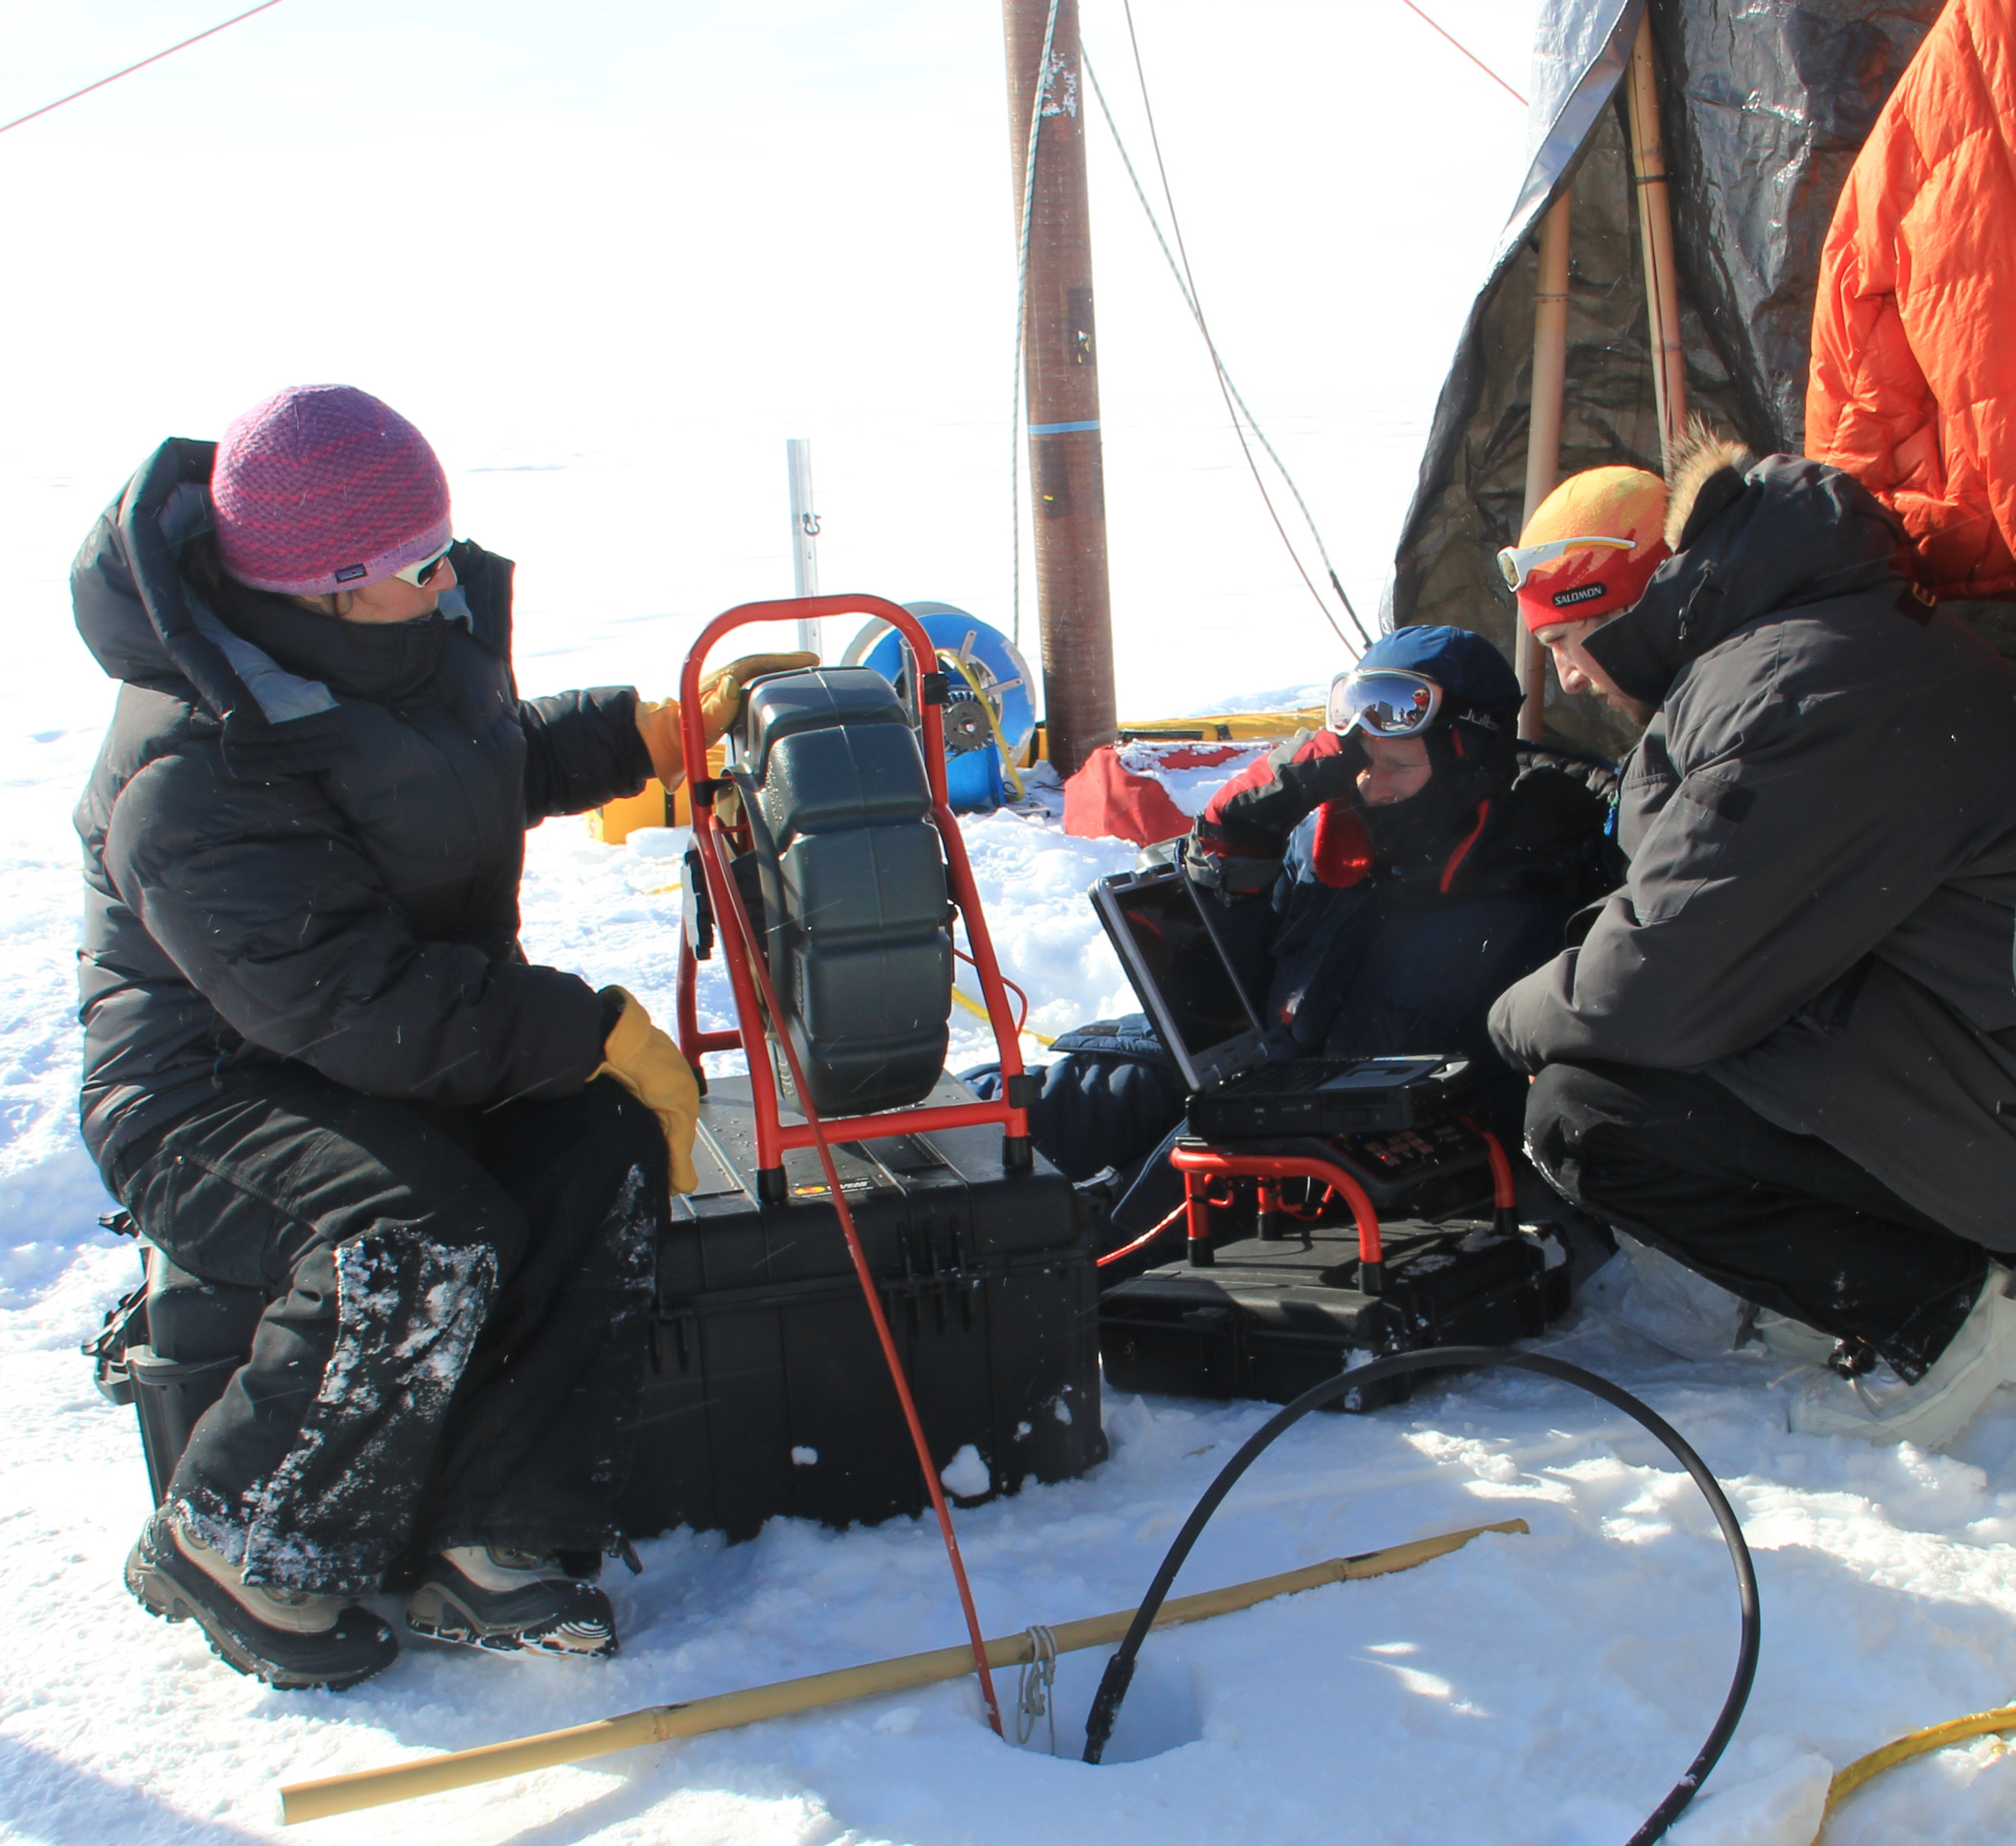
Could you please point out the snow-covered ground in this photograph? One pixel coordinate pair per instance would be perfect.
(609, 256)
(1544, 1689)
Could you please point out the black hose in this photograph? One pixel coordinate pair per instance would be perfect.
(1120, 1669)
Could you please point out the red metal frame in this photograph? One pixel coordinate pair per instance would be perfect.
(749, 975)
(773, 1135)
(1199, 1165)
(1504, 1195)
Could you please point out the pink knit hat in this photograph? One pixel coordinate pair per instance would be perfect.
(321, 488)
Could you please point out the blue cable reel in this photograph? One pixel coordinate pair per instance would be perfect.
(988, 690)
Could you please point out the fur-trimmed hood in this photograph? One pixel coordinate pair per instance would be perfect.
(1750, 540)
(1707, 473)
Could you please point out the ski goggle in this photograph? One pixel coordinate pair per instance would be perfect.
(421, 575)
(1519, 562)
(1385, 702)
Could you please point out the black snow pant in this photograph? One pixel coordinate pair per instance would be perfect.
(1781, 1219)
(458, 1332)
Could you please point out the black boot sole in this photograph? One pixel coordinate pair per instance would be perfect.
(439, 1614)
(162, 1590)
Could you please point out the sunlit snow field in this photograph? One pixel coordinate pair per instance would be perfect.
(610, 257)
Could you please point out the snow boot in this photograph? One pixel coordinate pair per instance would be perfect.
(512, 1601)
(1791, 1339)
(291, 1639)
(1667, 1303)
(1879, 1406)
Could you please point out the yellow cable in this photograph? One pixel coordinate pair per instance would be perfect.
(993, 722)
(1934, 1736)
(980, 1012)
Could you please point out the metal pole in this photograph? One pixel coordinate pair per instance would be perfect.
(1543, 435)
(1061, 366)
(805, 538)
(1655, 231)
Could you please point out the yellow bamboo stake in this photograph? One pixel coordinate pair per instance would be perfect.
(658, 1724)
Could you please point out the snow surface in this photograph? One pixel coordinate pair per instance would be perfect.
(631, 200)
(1544, 1689)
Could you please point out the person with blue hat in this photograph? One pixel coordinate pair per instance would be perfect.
(1382, 880)
(1386, 878)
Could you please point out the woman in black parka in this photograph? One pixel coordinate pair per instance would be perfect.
(317, 1062)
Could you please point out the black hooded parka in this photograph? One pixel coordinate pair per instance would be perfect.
(1821, 822)
(303, 836)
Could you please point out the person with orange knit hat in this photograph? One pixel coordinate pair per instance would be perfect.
(1782, 1052)
(1586, 555)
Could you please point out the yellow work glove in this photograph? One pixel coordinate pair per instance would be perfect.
(721, 696)
(658, 725)
(649, 1065)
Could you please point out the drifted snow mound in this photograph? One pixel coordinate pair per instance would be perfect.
(1781, 1807)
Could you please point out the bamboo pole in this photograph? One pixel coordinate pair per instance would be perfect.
(1543, 434)
(658, 1724)
(1655, 231)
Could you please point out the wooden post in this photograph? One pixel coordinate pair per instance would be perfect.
(1543, 436)
(1060, 360)
(1655, 231)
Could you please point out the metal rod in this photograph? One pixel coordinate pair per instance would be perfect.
(658, 1724)
(805, 539)
(1655, 231)
(1061, 364)
(1543, 437)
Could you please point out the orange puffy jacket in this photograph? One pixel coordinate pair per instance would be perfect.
(1912, 388)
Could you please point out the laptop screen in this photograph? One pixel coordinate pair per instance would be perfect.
(1197, 989)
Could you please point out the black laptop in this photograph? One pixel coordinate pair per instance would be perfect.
(1187, 985)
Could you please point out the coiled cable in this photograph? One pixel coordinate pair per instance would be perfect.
(1120, 1669)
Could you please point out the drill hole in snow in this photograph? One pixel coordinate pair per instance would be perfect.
(1161, 1711)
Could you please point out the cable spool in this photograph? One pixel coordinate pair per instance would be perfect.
(990, 714)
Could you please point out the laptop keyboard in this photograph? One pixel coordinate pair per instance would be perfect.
(1287, 1079)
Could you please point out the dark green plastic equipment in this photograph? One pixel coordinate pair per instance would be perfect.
(850, 874)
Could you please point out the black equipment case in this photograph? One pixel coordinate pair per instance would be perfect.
(169, 1348)
(1268, 1314)
(768, 1393)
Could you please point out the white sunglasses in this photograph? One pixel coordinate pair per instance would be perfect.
(419, 575)
(1520, 562)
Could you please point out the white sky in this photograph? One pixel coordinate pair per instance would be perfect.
(610, 254)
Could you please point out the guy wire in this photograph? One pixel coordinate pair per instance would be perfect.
(1186, 282)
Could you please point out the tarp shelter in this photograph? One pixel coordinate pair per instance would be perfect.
(1764, 105)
